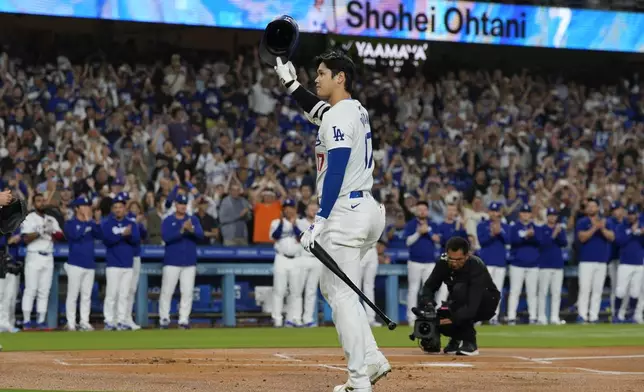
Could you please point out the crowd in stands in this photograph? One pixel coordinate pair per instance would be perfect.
(231, 139)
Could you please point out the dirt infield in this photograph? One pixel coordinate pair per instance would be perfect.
(312, 370)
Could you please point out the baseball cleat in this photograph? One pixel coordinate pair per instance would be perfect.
(123, 327)
(452, 346)
(348, 388)
(28, 326)
(109, 327)
(467, 348)
(494, 322)
(290, 324)
(312, 324)
(70, 327)
(184, 326)
(43, 327)
(378, 371)
(9, 329)
(85, 327)
(164, 324)
(134, 326)
(512, 322)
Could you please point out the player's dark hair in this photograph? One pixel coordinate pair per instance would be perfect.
(422, 203)
(337, 62)
(33, 198)
(458, 243)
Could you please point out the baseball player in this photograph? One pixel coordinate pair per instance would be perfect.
(629, 235)
(9, 286)
(616, 218)
(423, 241)
(524, 267)
(350, 220)
(120, 237)
(369, 269)
(494, 236)
(286, 234)
(552, 238)
(136, 265)
(80, 232)
(595, 236)
(39, 231)
(310, 271)
(181, 233)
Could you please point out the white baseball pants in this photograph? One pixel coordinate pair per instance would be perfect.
(498, 277)
(8, 294)
(369, 269)
(302, 312)
(629, 284)
(612, 275)
(116, 291)
(347, 236)
(592, 276)
(79, 282)
(639, 309)
(417, 274)
(550, 281)
(185, 276)
(286, 276)
(518, 275)
(39, 270)
(136, 271)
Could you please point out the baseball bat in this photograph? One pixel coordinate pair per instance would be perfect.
(326, 259)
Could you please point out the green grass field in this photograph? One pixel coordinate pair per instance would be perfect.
(499, 336)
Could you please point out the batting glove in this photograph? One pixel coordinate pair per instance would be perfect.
(308, 237)
(287, 75)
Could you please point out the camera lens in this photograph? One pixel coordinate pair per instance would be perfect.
(424, 328)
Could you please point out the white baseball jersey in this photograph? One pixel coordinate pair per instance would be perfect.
(346, 124)
(288, 244)
(35, 223)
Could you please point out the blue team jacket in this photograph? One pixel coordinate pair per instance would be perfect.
(551, 254)
(180, 249)
(614, 247)
(448, 230)
(119, 250)
(631, 246)
(493, 247)
(143, 233)
(597, 248)
(80, 237)
(398, 239)
(424, 250)
(525, 250)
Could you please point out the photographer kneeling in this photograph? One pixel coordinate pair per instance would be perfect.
(472, 297)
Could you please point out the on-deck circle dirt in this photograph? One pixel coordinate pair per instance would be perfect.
(312, 370)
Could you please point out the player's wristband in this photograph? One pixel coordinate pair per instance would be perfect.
(292, 86)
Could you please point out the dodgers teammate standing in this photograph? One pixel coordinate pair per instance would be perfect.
(350, 220)
(630, 237)
(120, 237)
(525, 266)
(310, 271)
(39, 232)
(9, 286)
(493, 236)
(180, 232)
(551, 263)
(423, 241)
(136, 264)
(369, 267)
(286, 235)
(616, 219)
(595, 236)
(80, 232)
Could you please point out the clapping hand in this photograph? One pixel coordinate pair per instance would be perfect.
(188, 226)
(127, 231)
(5, 197)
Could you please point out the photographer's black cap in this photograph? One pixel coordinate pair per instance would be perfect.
(280, 39)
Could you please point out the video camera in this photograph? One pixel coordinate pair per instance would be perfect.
(426, 328)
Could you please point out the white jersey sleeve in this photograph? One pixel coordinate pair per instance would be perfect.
(274, 224)
(29, 225)
(346, 125)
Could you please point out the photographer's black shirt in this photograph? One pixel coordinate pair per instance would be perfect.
(466, 286)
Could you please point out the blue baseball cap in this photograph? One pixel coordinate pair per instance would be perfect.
(494, 206)
(551, 211)
(119, 199)
(526, 208)
(632, 209)
(288, 203)
(615, 205)
(81, 201)
(181, 199)
(125, 195)
(118, 181)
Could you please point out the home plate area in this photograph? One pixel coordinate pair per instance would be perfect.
(312, 370)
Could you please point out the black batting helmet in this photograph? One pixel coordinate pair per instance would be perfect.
(279, 40)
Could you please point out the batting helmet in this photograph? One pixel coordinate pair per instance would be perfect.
(279, 40)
